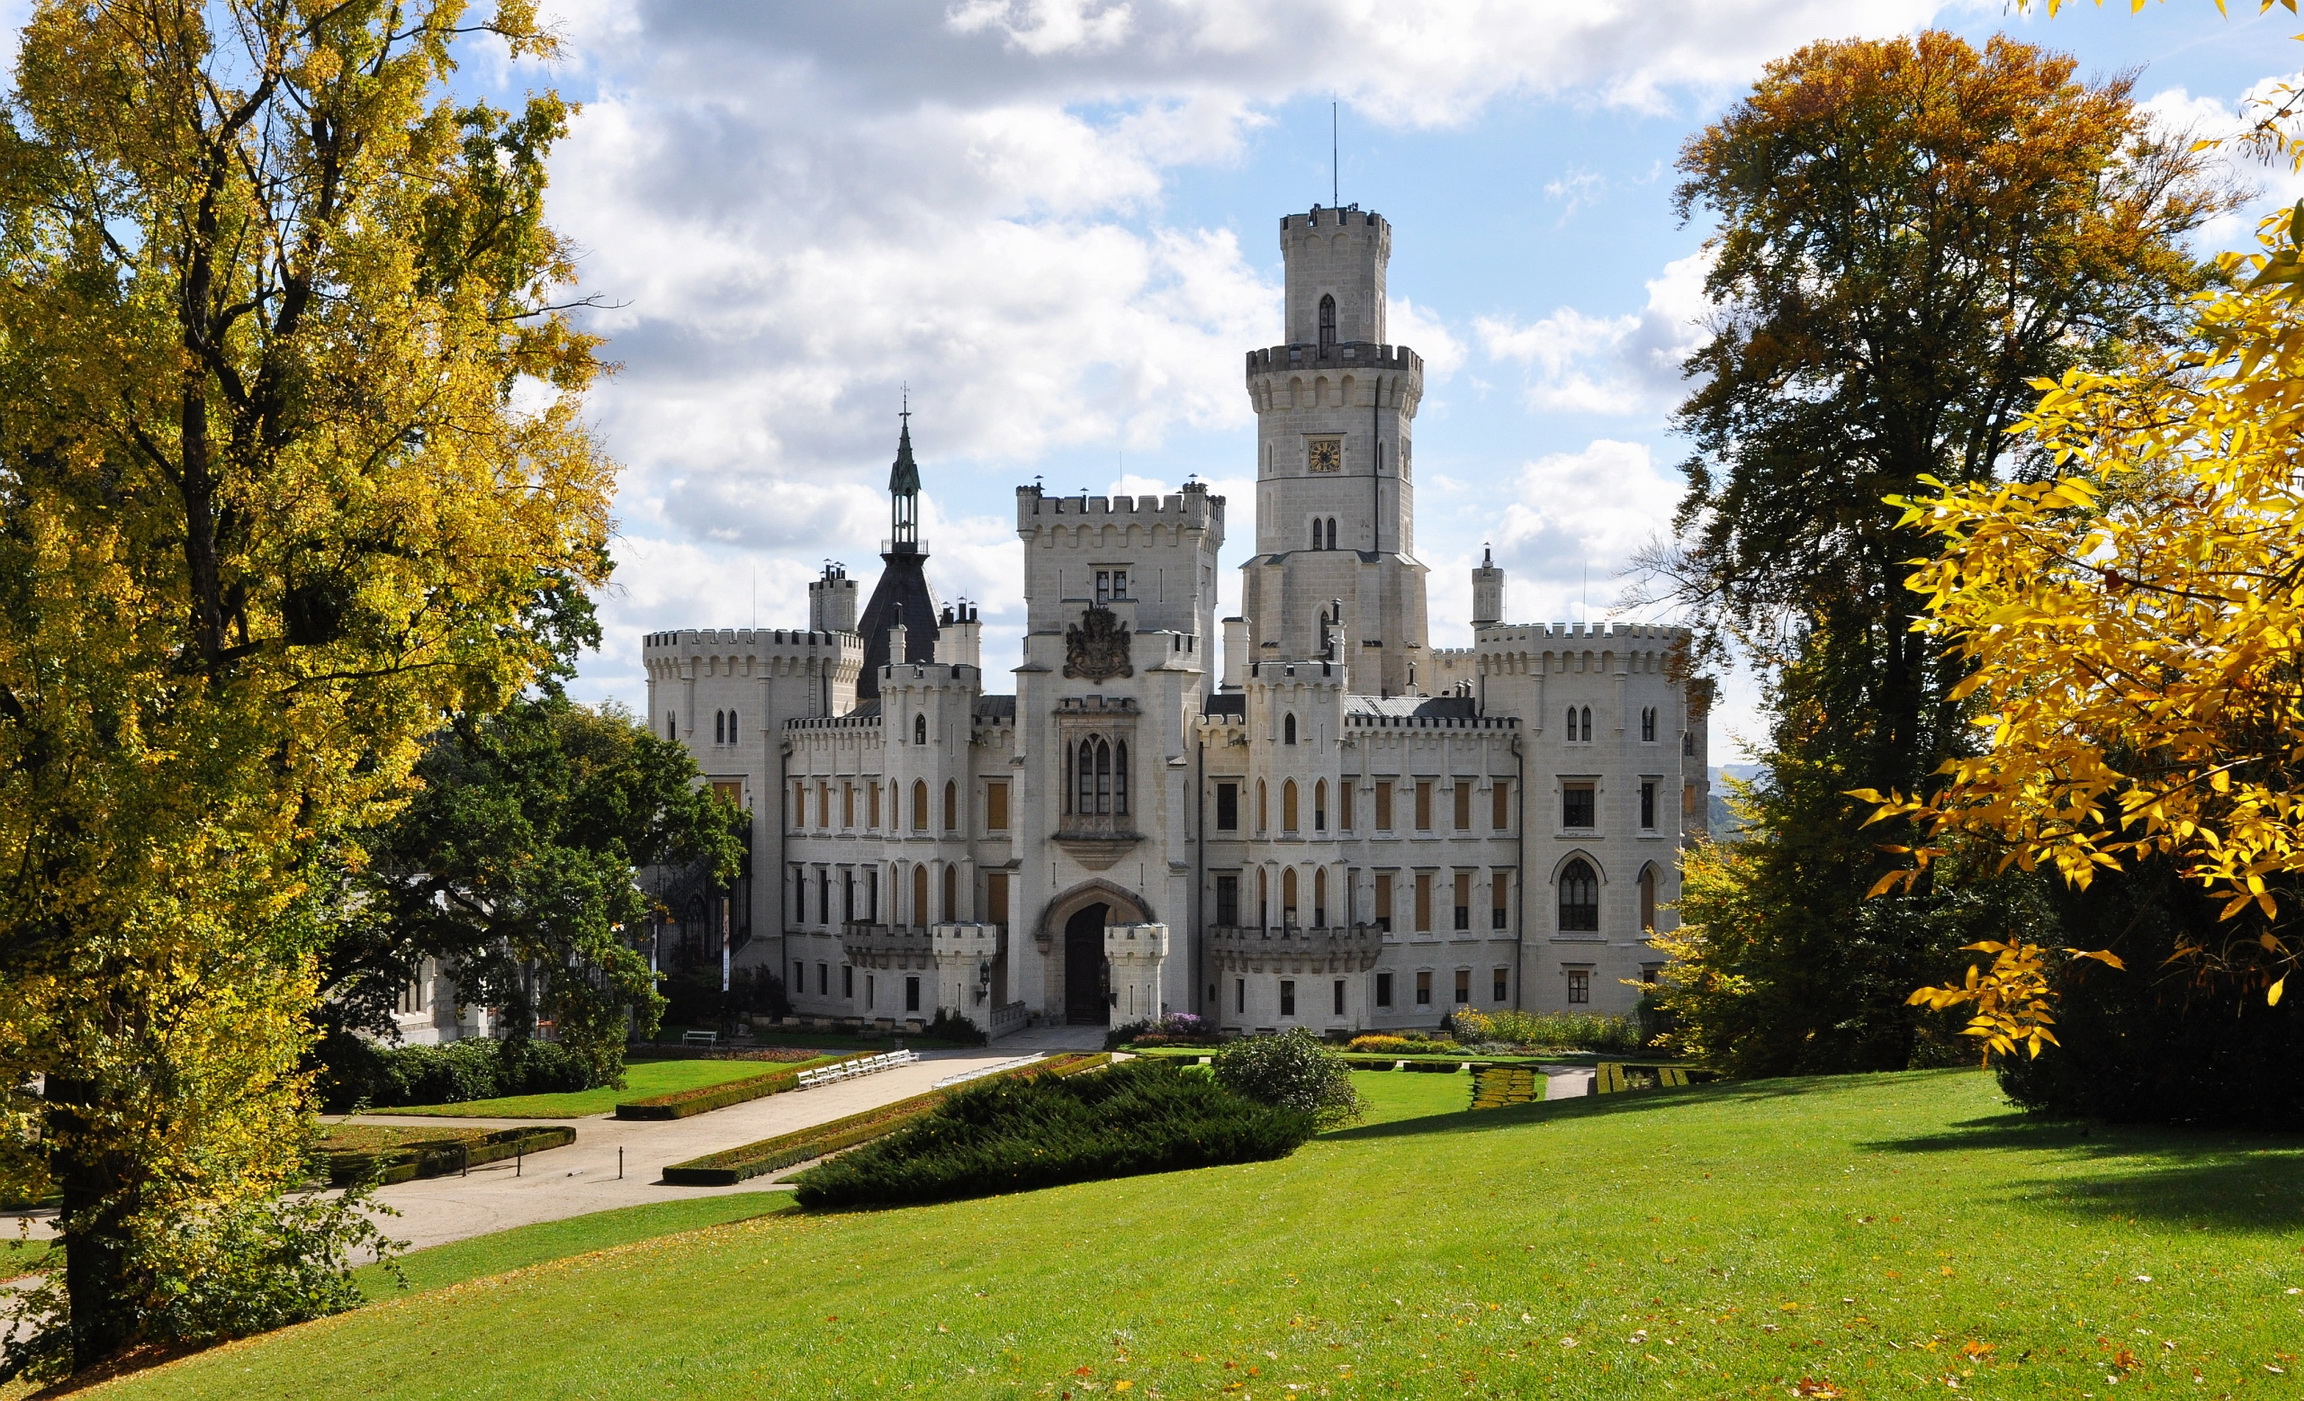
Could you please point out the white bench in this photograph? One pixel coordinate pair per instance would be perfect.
(706, 1039)
(850, 1069)
(983, 1070)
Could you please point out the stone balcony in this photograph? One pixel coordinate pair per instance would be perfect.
(886, 946)
(1295, 949)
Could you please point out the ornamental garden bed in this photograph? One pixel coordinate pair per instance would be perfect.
(734, 1165)
(349, 1153)
(683, 1104)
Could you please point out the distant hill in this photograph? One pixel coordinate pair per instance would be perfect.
(1724, 824)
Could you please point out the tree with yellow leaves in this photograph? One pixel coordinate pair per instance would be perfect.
(290, 466)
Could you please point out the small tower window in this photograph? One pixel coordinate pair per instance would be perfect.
(731, 727)
(1288, 730)
(919, 729)
(1316, 535)
(719, 727)
(672, 726)
(1327, 324)
(1648, 725)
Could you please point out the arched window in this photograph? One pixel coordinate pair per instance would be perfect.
(1288, 807)
(1320, 896)
(1288, 896)
(951, 892)
(1587, 724)
(919, 806)
(719, 727)
(671, 726)
(1572, 735)
(951, 807)
(1263, 897)
(1331, 532)
(1288, 730)
(1315, 534)
(1320, 806)
(1263, 811)
(1327, 323)
(1647, 899)
(731, 727)
(919, 729)
(920, 894)
(1648, 725)
(1579, 898)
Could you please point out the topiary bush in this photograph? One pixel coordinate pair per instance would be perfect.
(1293, 1070)
(356, 1071)
(1041, 1130)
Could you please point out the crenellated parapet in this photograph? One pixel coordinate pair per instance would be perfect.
(698, 652)
(1193, 508)
(1293, 949)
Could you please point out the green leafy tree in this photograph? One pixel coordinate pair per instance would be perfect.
(1911, 231)
(1292, 1070)
(516, 866)
(291, 466)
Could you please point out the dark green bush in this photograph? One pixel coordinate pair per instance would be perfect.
(958, 1028)
(356, 1071)
(1293, 1070)
(1041, 1130)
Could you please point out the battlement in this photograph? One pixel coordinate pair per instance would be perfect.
(1359, 355)
(868, 720)
(1274, 672)
(1351, 216)
(1491, 635)
(1364, 720)
(1193, 508)
(791, 640)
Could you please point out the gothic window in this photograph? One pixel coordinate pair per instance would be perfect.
(1587, 712)
(731, 727)
(671, 726)
(919, 806)
(951, 892)
(1327, 323)
(1263, 812)
(1317, 534)
(719, 727)
(1288, 895)
(1331, 532)
(1688, 742)
(1288, 806)
(951, 806)
(1288, 730)
(1648, 899)
(1648, 725)
(1099, 778)
(919, 729)
(1320, 897)
(1320, 806)
(920, 893)
(1579, 898)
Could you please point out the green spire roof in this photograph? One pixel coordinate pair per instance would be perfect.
(904, 477)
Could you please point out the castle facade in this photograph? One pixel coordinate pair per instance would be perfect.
(1309, 818)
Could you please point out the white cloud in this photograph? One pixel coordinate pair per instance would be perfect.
(2275, 186)
(1627, 364)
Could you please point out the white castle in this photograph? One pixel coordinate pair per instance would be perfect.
(1341, 828)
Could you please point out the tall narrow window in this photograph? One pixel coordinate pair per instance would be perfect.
(1327, 323)
(1227, 807)
(847, 804)
(1423, 805)
(1463, 804)
(1103, 777)
(1287, 997)
(1120, 779)
(1423, 902)
(919, 729)
(1263, 813)
(1320, 806)
(799, 804)
(951, 893)
(1228, 900)
(996, 899)
(1383, 989)
(1579, 898)
(731, 727)
(1288, 806)
(1384, 901)
(1573, 735)
(1587, 713)
(1288, 896)
(1383, 805)
(1263, 897)
(719, 727)
(1500, 900)
(1463, 900)
(1423, 987)
(951, 806)
(1647, 804)
(1331, 532)
(1500, 986)
(1344, 806)
(1288, 730)
(920, 894)
(1463, 986)
(824, 805)
(1316, 534)
(872, 806)
(1648, 900)
(919, 806)
(1320, 897)
(1338, 1002)
(1648, 725)
(996, 806)
(1500, 805)
(671, 726)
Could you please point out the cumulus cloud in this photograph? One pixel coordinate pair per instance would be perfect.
(1630, 364)
(2179, 112)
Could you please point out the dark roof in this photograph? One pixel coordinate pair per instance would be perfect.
(865, 710)
(1225, 703)
(902, 591)
(996, 708)
(1432, 707)
(904, 476)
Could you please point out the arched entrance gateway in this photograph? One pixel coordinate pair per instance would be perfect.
(1072, 934)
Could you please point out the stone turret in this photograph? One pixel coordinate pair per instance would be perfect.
(1487, 591)
(832, 600)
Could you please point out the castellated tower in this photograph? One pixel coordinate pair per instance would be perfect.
(1334, 501)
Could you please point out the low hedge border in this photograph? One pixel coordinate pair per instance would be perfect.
(733, 1165)
(439, 1159)
(684, 1104)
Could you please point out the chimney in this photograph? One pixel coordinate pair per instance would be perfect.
(1235, 653)
(960, 636)
(1487, 591)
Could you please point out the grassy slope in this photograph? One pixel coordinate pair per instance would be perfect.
(1728, 1240)
(641, 1078)
(1393, 1095)
(481, 1256)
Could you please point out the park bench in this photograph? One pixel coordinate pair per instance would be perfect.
(706, 1039)
(850, 1069)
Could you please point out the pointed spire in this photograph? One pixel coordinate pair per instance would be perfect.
(904, 476)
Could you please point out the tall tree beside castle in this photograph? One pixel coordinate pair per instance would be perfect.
(1911, 231)
(268, 510)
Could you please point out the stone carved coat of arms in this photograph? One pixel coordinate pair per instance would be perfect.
(1097, 649)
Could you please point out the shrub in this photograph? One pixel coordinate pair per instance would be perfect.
(1291, 1071)
(1041, 1130)
(1175, 1029)
(356, 1071)
(1400, 1045)
(958, 1028)
(1576, 1031)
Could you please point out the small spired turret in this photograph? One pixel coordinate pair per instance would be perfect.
(1487, 591)
(902, 603)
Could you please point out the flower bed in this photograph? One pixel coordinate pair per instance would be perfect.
(734, 1165)
(683, 1104)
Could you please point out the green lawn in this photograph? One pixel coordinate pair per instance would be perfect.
(1872, 1236)
(1394, 1095)
(641, 1078)
(20, 1256)
(481, 1256)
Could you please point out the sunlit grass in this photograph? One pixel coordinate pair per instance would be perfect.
(1875, 1235)
(641, 1078)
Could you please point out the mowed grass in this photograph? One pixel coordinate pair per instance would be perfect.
(1871, 1236)
(641, 1079)
(1394, 1095)
(458, 1261)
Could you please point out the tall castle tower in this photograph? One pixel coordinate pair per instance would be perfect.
(1335, 506)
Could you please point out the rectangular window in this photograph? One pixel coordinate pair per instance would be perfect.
(847, 805)
(1344, 806)
(1111, 584)
(848, 980)
(799, 978)
(1463, 900)
(731, 789)
(911, 994)
(1423, 805)
(1227, 807)
(823, 901)
(1384, 901)
(1287, 997)
(1463, 804)
(1424, 988)
(799, 804)
(799, 896)
(1383, 805)
(1339, 997)
(1500, 805)
(872, 806)
(1228, 900)
(996, 806)
(1423, 902)
(1579, 985)
(1500, 987)
(1647, 804)
(1577, 808)
(1383, 989)
(1499, 901)
(871, 992)
(996, 899)
(1239, 994)
(823, 980)
(824, 805)
(1463, 987)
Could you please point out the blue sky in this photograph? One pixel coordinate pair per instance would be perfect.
(1055, 220)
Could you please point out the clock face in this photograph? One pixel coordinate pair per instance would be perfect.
(1327, 454)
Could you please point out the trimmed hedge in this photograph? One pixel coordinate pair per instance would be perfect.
(1495, 1086)
(1044, 1130)
(438, 1159)
(356, 1071)
(683, 1104)
(733, 1165)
